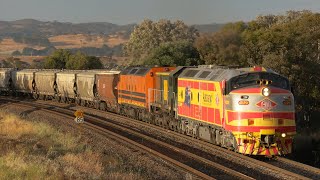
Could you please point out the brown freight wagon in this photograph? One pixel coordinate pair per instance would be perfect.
(107, 90)
(95, 88)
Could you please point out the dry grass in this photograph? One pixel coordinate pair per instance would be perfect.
(27, 59)
(8, 45)
(123, 176)
(83, 163)
(69, 41)
(83, 40)
(114, 41)
(35, 150)
(15, 166)
(30, 149)
(13, 128)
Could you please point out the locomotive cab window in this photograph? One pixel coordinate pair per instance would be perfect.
(257, 79)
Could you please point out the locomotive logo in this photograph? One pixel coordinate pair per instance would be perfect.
(187, 96)
(266, 104)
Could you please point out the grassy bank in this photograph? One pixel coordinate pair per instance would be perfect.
(35, 150)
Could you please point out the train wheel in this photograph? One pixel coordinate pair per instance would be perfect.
(103, 106)
(218, 137)
(96, 105)
(35, 95)
(78, 101)
(63, 99)
(82, 103)
(57, 98)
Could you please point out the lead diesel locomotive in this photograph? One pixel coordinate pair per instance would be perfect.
(248, 110)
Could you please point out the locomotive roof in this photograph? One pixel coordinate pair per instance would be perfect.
(138, 71)
(92, 73)
(218, 73)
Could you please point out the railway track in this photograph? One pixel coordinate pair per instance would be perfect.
(293, 166)
(192, 164)
(223, 168)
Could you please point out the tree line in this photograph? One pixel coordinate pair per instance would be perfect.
(59, 59)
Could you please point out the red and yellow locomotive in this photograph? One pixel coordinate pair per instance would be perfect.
(250, 110)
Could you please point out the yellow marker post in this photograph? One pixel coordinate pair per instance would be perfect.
(79, 118)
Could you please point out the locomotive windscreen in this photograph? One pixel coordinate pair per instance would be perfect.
(252, 79)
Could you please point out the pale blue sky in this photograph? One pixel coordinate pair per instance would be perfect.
(134, 11)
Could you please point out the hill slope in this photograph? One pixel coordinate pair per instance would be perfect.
(29, 36)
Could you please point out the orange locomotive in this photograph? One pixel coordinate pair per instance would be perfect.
(134, 96)
(250, 110)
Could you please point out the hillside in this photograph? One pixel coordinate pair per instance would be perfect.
(48, 29)
(33, 37)
(208, 28)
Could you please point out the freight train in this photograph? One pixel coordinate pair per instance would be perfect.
(248, 110)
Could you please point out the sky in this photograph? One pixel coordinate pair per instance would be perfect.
(134, 11)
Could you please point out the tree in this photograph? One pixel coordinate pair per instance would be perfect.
(289, 45)
(58, 59)
(37, 64)
(148, 35)
(16, 53)
(81, 61)
(222, 47)
(64, 59)
(94, 62)
(13, 62)
(179, 53)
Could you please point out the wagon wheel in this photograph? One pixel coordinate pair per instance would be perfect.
(35, 95)
(57, 98)
(78, 101)
(82, 102)
(103, 106)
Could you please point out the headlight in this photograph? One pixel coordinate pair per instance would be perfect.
(266, 91)
(283, 135)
